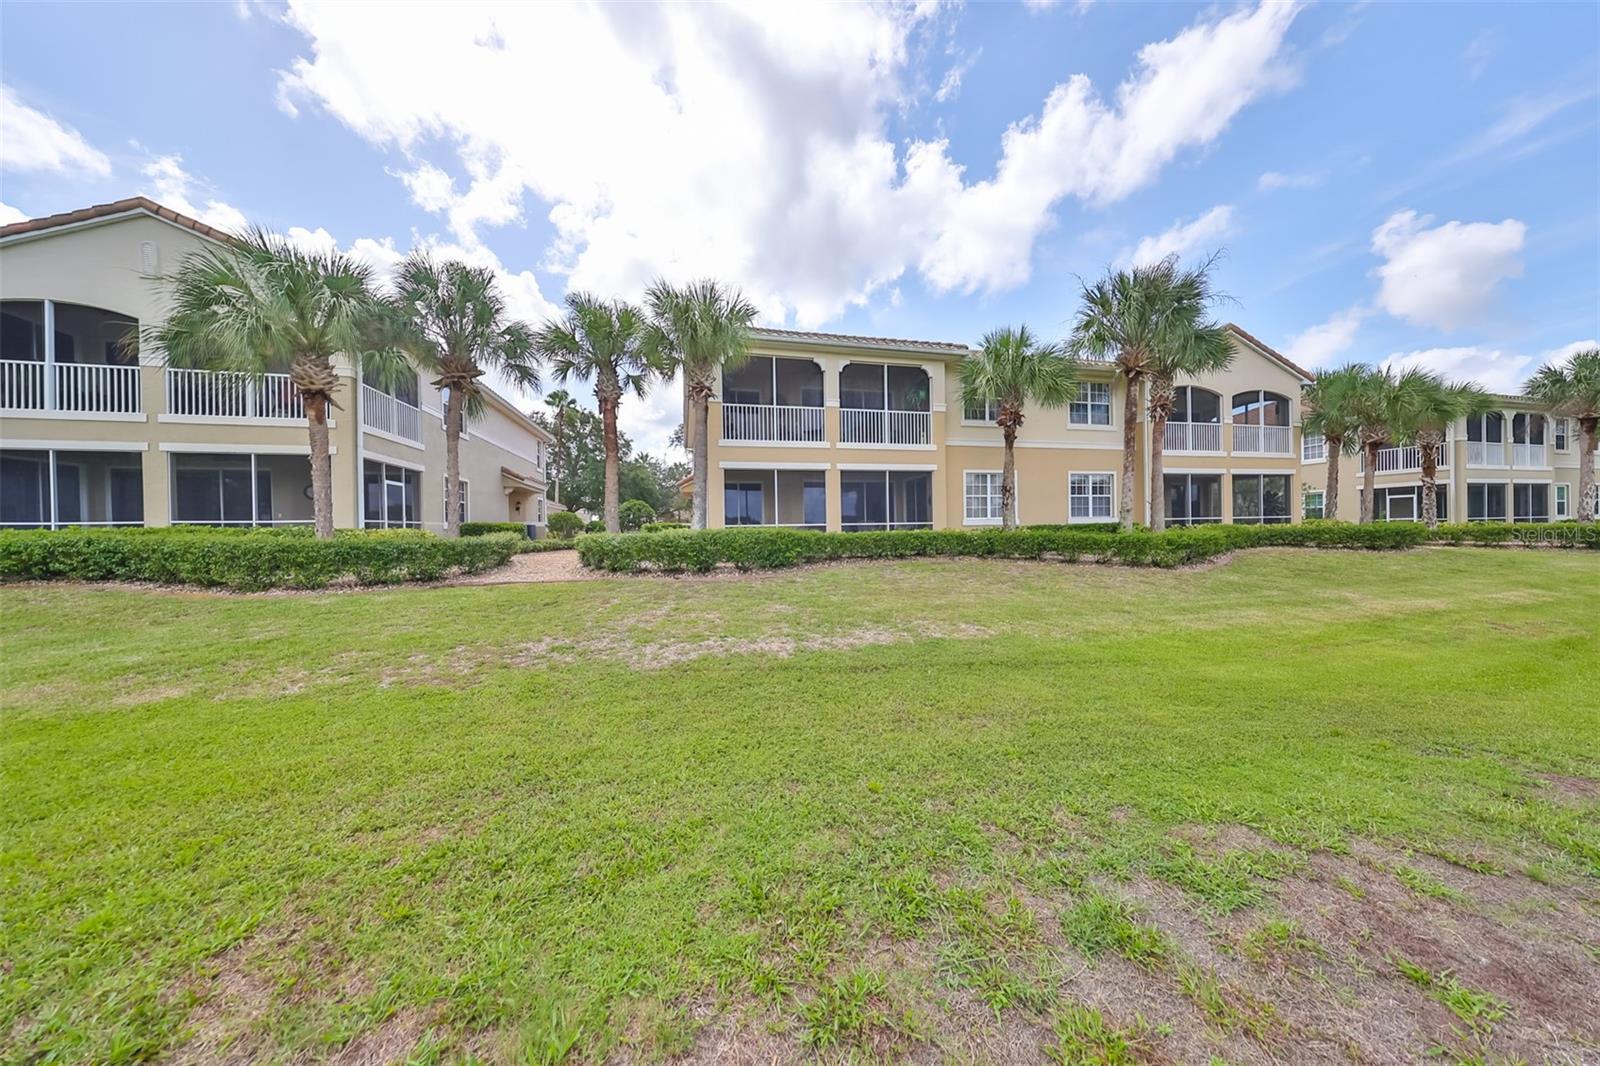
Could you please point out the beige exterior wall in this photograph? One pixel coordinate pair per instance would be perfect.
(105, 265)
(1050, 446)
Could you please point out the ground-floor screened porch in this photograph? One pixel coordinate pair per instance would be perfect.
(821, 498)
(47, 488)
(1202, 498)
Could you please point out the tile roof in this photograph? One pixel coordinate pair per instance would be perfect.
(115, 207)
(854, 341)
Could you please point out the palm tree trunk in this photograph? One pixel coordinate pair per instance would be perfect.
(608, 421)
(1008, 480)
(1160, 411)
(1430, 482)
(1130, 424)
(1369, 479)
(453, 414)
(555, 475)
(1589, 429)
(1330, 493)
(700, 410)
(316, 404)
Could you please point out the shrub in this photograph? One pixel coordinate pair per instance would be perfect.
(635, 513)
(662, 527)
(246, 559)
(478, 529)
(564, 524)
(676, 551)
(1526, 534)
(594, 525)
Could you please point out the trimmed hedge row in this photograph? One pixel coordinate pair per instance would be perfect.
(246, 560)
(1541, 534)
(479, 529)
(761, 549)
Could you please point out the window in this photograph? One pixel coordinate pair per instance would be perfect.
(444, 498)
(1093, 405)
(814, 503)
(1527, 429)
(742, 504)
(1405, 504)
(1313, 448)
(983, 496)
(1193, 498)
(538, 511)
(46, 489)
(987, 411)
(1260, 498)
(231, 490)
(1486, 502)
(1563, 501)
(1089, 497)
(1561, 434)
(1311, 504)
(1530, 503)
(1191, 403)
(1260, 408)
(885, 499)
(1488, 428)
(390, 497)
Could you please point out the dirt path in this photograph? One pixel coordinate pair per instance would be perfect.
(533, 567)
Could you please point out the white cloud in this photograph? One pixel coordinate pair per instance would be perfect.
(1273, 180)
(1184, 238)
(1322, 344)
(751, 143)
(1479, 51)
(1496, 369)
(172, 186)
(950, 86)
(31, 140)
(1445, 276)
(9, 214)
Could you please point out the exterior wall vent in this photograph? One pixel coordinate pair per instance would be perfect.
(149, 257)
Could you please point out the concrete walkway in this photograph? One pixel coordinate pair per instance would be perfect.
(533, 567)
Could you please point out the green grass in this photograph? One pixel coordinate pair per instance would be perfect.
(1480, 1010)
(539, 822)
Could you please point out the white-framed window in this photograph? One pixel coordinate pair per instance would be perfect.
(538, 512)
(466, 497)
(1561, 434)
(1312, 504)
(986, 411)
(1093, 405)
(1313, 448)
(982, 497)
(1563, 501)
(1089, 497)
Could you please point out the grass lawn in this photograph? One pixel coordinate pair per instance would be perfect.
(1299, 806)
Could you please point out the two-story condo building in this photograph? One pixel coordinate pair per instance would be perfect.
(836, 432)
(93, 433)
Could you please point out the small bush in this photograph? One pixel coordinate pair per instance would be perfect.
(662, 527)
(594, 525)
(246, 560)
(563, 524)
(1528, 534)
(635, 513)
(479, 529)
(676, 551)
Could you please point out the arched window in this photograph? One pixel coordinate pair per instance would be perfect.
(68, 357)
(1258, 407)
(1527, 428)
(1191, 403)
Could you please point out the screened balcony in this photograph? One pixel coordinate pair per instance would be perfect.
(1261, 424)
(240, 489)
(1196, 421)
(797, 499)
(49, 489)
(773, 400)
(884, 404)
(885, 499)
(391, 408)
(60, 357)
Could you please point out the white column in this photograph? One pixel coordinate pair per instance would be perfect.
(254, 508)
(50, 368)
(52, 474)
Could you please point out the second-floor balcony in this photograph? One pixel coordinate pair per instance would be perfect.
(1262, 440)
(1406, 458)
(1529, 455)
(72, 388)
(390, 414)
(1192, 437)
(864, 426)
(757, 423)
(226, 397)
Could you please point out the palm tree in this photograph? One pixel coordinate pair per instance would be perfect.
(699, 328)
(563, 411)
(1425, 407)
(455, 326)
(1573, 391)
(259, 304)
(1013, 369)
(605, 342)
(1132, 317)
(1372, 409)
(1330, 409)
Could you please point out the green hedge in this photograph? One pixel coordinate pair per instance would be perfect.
(246, 559)
(662, 527)
(759, 549)
(478, 529)
(1532, 534)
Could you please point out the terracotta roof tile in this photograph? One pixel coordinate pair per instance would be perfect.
(116, 207)
(860, 341)
(1274, 353)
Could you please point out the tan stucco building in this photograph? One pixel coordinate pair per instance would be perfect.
(91, 433)
(837, 432)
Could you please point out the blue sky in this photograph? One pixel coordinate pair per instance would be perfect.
(1413, 183)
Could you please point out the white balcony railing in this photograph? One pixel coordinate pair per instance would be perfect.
(227, 396)
(884, 427)
(390, 415)
(83, 388)
(1405, 458)
(766, 422)
(1262, 440)
(1485, 453)
(1192, 437)
(1528, 455)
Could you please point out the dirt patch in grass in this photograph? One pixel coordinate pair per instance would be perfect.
(236, 994)
(1570, 787)
(386, 1043)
